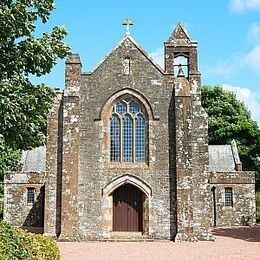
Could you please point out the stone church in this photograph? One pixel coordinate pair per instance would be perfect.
(127, 155)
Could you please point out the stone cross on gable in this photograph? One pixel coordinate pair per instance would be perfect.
(127, 23)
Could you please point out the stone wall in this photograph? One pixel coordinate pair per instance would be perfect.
(177, 157)
(173, 179)
(99, 90)
(62, 157)
(54, 168)
(16, 209)
(244, 209)
(70, 149)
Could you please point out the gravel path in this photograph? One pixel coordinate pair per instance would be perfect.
(230, 243)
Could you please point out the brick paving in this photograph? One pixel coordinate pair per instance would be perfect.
(230, 243)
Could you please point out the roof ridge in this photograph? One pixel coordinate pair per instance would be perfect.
(138, 46)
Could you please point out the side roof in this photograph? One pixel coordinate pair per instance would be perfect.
(34, 160)
(222, 158)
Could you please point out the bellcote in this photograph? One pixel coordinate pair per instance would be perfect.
(180, 50)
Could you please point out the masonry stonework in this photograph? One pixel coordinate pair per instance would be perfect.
(243, 210)
(180, 189)
(17, 210)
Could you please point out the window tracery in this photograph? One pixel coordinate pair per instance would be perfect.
(127, 132)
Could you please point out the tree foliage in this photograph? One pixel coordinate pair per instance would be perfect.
(24, 106)
(229, 119)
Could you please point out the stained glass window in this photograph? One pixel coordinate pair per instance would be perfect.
(114, 139)
(133, 107)
(139, 139)
(128, 132)
(121, 108)
(127, 139)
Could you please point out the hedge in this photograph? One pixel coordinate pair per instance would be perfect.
(19, 244)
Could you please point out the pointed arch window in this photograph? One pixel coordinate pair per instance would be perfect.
(128, 132)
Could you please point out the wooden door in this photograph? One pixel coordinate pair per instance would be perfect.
(127, 209)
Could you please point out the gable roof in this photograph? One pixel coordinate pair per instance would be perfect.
(221, 158)
(122, 42)
(180, 37)
(180, 32)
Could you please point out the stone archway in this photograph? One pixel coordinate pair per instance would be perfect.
(140, 185)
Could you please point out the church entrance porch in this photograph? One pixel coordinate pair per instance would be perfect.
(128, 209)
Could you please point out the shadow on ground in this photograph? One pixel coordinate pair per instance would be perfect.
(249, 234)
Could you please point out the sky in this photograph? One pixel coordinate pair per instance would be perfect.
(228, 33)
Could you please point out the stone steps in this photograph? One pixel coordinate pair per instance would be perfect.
(127, 234)
(117, 236)
(121, 239)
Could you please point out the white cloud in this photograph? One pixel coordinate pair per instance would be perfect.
(235, 63)
(252, 59)
(225, 67)
(249, 97)
(158, 56)
(254, 32)
(242, 5)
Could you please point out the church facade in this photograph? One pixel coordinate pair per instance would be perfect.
(127, 155)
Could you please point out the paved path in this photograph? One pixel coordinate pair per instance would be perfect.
(230, 244)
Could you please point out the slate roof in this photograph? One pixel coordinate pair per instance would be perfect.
(34, 160)
(222, 158)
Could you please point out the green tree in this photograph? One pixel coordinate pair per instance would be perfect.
(230, 119)
(24, 106)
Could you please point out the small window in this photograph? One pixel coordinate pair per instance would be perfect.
(228, 197)
(30, 195)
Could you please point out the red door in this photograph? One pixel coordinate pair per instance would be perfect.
(127, 209)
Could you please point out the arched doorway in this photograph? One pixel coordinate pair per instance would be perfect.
(144, 191)
(128, 209)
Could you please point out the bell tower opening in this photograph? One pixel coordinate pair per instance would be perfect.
(181, 62)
